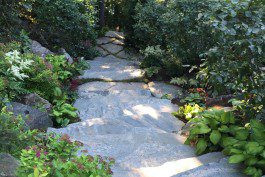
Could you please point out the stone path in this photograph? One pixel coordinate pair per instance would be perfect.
(131, 123)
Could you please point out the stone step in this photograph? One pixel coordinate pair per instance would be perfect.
(137, 111)
(135, 150)
(216, 169)
(110, 68)
(170, 168)
(148, 153)
(100, 126)
(111, 86)
(120, 89)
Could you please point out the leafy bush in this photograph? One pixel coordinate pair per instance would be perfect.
(9, 20)
(57, 156)
(178, 27)
(50, 78)
(63, 112)
(233, 65)
(68, 24)
(14, 135)
(12, 72)
(214, 130)
(249, 149)
(210, 129)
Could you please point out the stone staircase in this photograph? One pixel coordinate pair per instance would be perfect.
(130, 122)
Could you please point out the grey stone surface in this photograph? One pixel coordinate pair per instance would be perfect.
(218, 169)
(138, 111)
(129, 55)
(118, 41)
(38, 49)
(112, 48)
(34, 118)
(160, 89)
(8, 165)
(102, 52)
(115, 34)
(62, 51)
(34, 100)
(105, 40)
(110, 68)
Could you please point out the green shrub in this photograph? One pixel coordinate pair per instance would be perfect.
(68, 24)
(249, 149)
(9, 20)
(63, 112)
(14, 135)
(210, 129)
(233, 65)
(177, 26)
(57, 156)
(12, 73)
(215, 130)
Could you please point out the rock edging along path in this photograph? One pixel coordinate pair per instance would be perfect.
(128, 122)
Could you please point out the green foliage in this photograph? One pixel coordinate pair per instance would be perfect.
(56, 156)
(63, 112)
(157, 63)
(249, 149)
(68, 24)
(14, 134)
(210, 129)
(233, 65)
(214, 130)
(178, 27)
(12, 71)
(9, 20)
(193, 98)
(188, 111)
(28, 73)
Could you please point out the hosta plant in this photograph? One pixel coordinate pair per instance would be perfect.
(248, 148)
(62, 111)
(211, 128)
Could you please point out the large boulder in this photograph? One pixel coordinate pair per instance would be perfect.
(38, 49)
(163, 90)
(34, 100)
(112, 48)
(62, 51)
(34, 118)
(8, 165)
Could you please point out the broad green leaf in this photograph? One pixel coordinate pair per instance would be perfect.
(251, 161)
(253, 148)
(200, 129)
(242, 134)
(229, 141)
(215, 136)
(250, 171)
(237, 158)
(201, 146)
(223, 129)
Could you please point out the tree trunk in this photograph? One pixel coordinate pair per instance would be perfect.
(101, 13)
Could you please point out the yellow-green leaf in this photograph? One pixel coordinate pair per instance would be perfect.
(215, 137)
(237, 158)
(201, 146)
